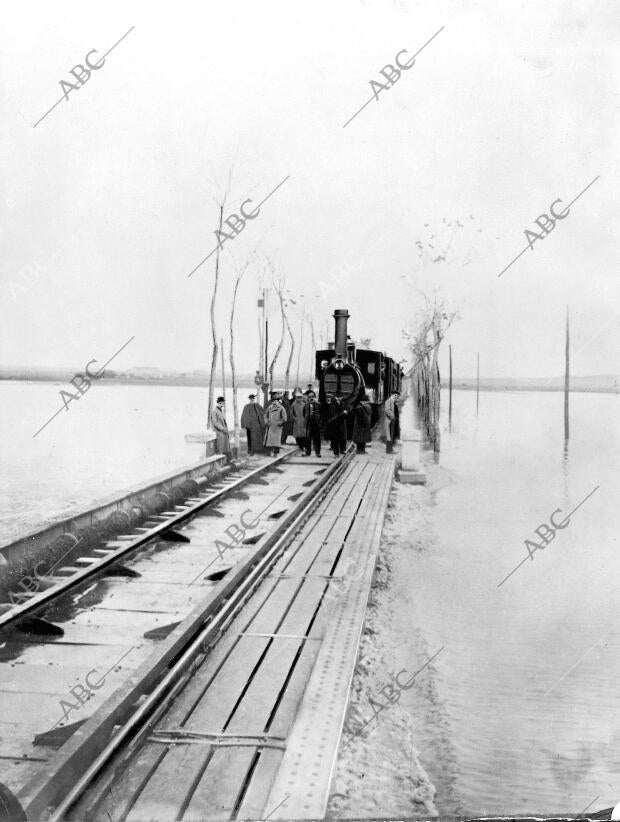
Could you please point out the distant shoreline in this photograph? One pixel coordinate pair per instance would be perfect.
(168, 381)
(533, 388)
(248, 384)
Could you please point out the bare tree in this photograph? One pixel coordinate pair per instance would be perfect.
(279, 282)
(240, 272)
(287, 373)
(312, 363)
(432, 324)
(213, 331)
(213, 298)
(365, 343)
(302, 320)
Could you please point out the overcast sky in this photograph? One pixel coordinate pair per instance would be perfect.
(509, 108)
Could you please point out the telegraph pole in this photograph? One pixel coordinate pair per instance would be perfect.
(450, 387)
(265, 375)
(223, 372)
(566, 376)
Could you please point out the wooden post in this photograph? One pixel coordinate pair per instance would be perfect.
(223, 372)
(214, 336)
(267, 387)
(566, 376)
(312, 360)
(450, 387)
(477, 380)
(260, 303)
(301, 342)
(265, 351)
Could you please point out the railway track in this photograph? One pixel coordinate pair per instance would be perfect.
(90, 564)
(132, 674)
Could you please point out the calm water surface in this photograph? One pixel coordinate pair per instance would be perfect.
(527, 687)
(529, 682)
(112, 438)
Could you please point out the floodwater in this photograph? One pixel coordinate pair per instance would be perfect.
(525, 698)
(112, 438)
(521, 710)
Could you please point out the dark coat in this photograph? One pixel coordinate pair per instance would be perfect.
(396, 421)
(253, 419)
(337, 421)
(361, 423)
(314, 416)
(299, 416)
(287, 428)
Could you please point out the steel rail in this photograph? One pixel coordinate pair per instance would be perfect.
(44, 598)
(153, 705)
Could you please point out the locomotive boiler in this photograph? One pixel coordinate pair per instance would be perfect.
(348, 372)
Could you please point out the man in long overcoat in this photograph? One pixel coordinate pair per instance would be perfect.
(313, 431)
(253, 420)
(275, 417)
(299, 416)
(389, 416)
(361, 425)
(287, 428)
(220, 425)
(337, 426)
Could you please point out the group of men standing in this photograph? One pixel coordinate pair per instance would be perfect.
(271, 427)
(303, 417)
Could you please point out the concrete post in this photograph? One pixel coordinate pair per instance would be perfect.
(411, 469)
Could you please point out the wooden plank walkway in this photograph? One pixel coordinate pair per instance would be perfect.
(104, 626)
(301, 787)
(258, 724)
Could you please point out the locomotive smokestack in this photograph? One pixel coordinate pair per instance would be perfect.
(341, 316)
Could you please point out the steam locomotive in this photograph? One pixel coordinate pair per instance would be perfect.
(345, 371)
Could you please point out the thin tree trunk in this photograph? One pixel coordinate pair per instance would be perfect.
(450, 387)
(287, 373)
(477, 380)
(566, 376)
(213, 333)
(312, 362)
(279, 348)
(233, 374)
(261, 347)
(266, 381)
(223, 372)
(435, 386)
(301, 342)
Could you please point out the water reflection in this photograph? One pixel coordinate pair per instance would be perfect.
(515, 749)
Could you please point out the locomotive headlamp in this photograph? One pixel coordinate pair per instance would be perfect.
(339, 364)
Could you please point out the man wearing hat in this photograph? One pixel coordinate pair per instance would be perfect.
(275, 417)
(313, 431)
(253, 420)
(389, 418)
(218, 421)
(272, 399)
